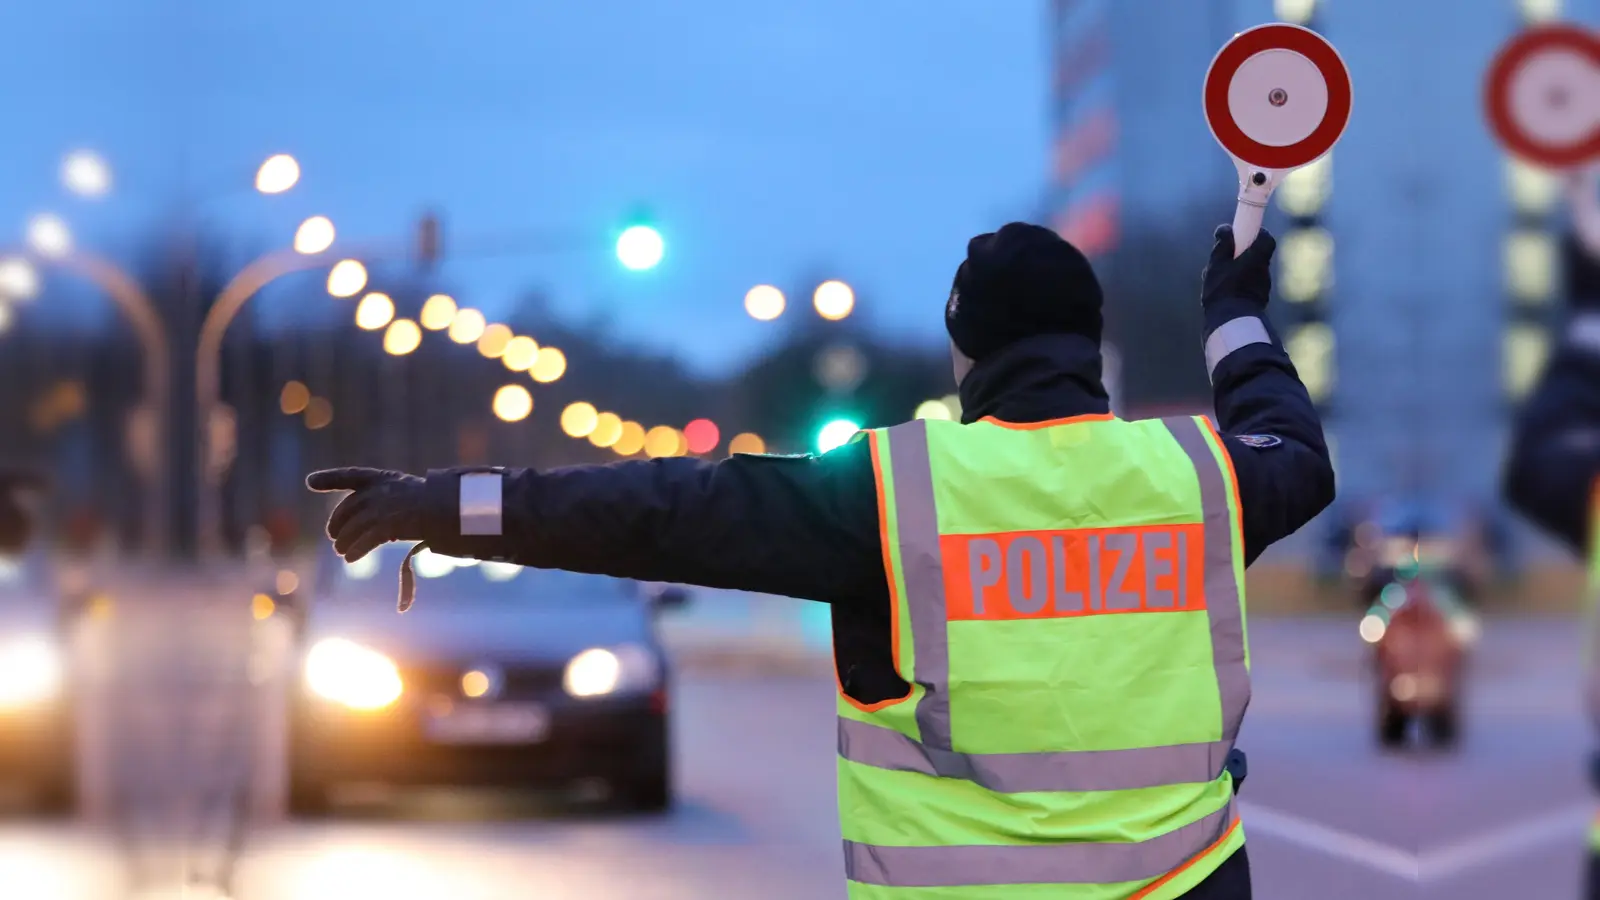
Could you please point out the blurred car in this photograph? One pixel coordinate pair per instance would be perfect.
(1420, 635)
(499, 676)
(37, 746)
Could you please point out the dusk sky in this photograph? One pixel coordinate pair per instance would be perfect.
(866, 141)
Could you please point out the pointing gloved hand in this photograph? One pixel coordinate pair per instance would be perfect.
(16, 520)
(1230, 288)
(383, 506)
(1582, 269)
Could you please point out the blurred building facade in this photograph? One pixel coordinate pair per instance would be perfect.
(1417, 266)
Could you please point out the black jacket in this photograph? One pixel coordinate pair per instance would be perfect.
(1555, 447)
(807, 526)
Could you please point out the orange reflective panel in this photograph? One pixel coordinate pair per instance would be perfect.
(1056, 574)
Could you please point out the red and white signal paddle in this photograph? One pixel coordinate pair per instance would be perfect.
(1277, 97)
(1542, 99)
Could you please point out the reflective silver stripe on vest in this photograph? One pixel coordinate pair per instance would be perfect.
(1070, 863)
(922, 567)
(1084, 770)
(1017, 773)
(1230, 336)
(1223, 608)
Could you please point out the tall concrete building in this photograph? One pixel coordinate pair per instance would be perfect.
(1417, 264)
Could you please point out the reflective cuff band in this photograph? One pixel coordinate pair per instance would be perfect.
(480, 503)
(1584, 332)
(1230, 336)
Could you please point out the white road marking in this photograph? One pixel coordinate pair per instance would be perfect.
(1329, 841)
(1569, 825)
(1488, 847)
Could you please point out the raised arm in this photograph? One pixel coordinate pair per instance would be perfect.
(1555, 445)
(1269, 425)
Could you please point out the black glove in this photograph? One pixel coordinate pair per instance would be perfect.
(16, 521)
(1230, 288)
(384, 505)
(1582, 271)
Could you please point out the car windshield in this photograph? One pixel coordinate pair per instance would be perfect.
(470, 581)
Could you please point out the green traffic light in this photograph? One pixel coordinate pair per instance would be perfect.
(836, 434)
(640, 247)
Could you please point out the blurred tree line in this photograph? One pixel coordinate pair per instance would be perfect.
(66, 394)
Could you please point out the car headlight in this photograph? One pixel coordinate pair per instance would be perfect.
(348, 673)
(30, 671)
(598, 672)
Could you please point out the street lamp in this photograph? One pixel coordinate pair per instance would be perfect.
(492, 343)
(764, 302)
(746, 443)
(402, 337)
(520, 354)
(86, 173)
(833, 300)
(374, 311)
(438, 312)
(549, 364)
(313, 236)
(18, 279)
(49, 236)
(512, 403)
(278, 174)
(580, 419)
(467, 326)
(347, 278)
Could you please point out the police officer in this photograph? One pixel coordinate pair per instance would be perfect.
(1037, 611)
(1555, 458)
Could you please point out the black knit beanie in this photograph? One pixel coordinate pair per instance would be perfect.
(1018, 282)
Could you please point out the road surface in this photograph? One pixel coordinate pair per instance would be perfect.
(1327, 815)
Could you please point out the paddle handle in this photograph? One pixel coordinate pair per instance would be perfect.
(1255, 189)
(1246, 225)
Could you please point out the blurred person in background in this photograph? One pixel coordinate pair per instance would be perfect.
(16, 518)
(1555, 456)
(965, 564)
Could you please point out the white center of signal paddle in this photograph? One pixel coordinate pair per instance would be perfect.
(1555, 98)
(1277, 98)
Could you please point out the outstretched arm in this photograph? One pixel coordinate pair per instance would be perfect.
(804, 526)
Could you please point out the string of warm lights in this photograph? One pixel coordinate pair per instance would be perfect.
(629, 438)
(296, 399)
(521, 353)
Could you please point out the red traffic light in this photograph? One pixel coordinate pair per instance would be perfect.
(702, 436)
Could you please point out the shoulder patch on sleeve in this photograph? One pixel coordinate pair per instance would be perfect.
(1260, 441)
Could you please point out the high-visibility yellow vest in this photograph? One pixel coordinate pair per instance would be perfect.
(1068, 608)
